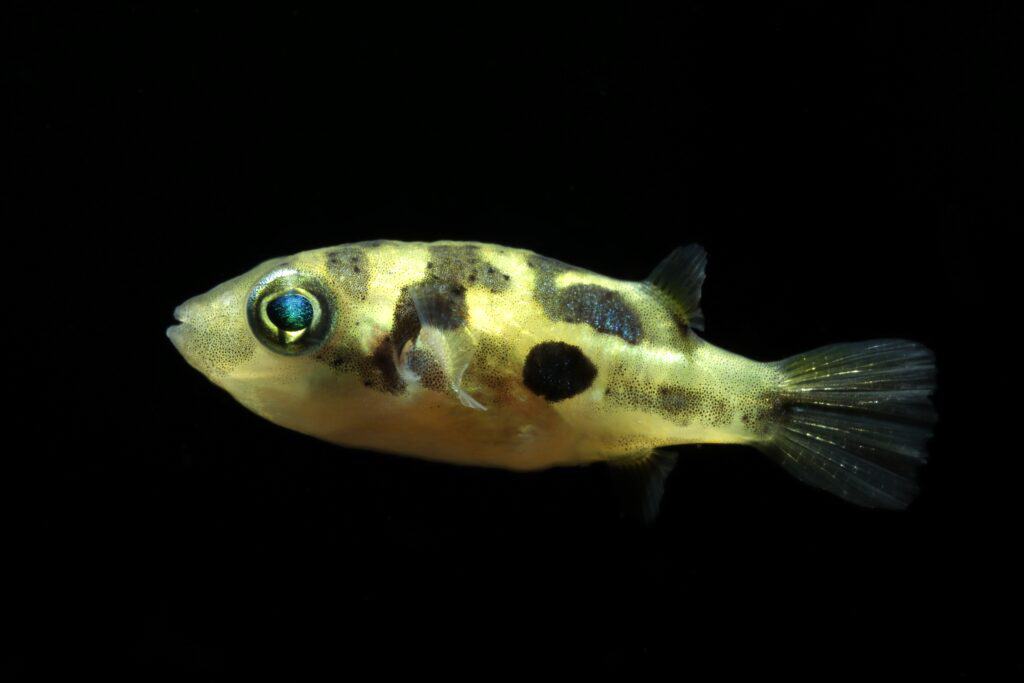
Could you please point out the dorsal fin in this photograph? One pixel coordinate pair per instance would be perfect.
(681, 276)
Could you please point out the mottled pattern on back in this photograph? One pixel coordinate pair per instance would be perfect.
(507, 298)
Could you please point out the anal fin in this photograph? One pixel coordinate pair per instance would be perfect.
(639, 482)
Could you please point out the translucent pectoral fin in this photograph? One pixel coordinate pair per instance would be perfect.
(454, 350)
(444, 346)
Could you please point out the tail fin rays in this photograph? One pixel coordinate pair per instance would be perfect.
(855, 419)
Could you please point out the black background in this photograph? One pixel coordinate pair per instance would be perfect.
(845, 167)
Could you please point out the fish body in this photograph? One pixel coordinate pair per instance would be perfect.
(486, 355)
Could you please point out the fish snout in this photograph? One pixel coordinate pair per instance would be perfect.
(212, 333)
(176, 333)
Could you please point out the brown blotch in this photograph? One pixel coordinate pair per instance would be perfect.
(674, 400)
(766, 411)
(429, 370)
(376, 370)
(462, 265)
(380, 372)
(443, 304)
(720, 412)
(604, 310)
(405, 324)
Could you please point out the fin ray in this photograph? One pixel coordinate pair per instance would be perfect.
(639, 483)
(855, 419)
(681, 276)
(443, 335)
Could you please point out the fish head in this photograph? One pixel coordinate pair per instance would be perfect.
(263, 337)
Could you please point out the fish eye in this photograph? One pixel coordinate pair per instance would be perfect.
(291, 311)
(288, 313)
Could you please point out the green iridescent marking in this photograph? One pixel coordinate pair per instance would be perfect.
(291, 312)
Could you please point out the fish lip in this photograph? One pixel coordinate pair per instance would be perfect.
(176, 332)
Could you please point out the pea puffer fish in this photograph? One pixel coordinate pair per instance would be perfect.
(479, 354)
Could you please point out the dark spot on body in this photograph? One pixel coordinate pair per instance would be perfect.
(461, 264)
(405, 325)
(441, 304)
(674, 400)
(376, 370)
(438, 304)
(347, 264)
(603, 309)
(721, 413)
(428, 369)
(381, 373)
(767, 411)
(556, 371)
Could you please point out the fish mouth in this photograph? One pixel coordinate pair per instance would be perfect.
(176, 332)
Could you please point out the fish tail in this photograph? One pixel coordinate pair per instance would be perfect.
(853, 419)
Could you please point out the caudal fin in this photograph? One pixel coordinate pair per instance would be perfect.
(854, 418)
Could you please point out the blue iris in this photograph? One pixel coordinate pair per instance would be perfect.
(290, 312)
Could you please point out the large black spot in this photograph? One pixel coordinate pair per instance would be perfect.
(604, 310)
(557, 371)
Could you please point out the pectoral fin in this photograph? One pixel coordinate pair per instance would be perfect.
(453, 350)
(639, 482)
(444, 346)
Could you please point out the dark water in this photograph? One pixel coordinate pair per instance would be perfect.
(841, 166)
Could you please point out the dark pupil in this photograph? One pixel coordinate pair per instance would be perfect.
(290, 312)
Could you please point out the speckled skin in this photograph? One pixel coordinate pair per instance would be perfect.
(371, 384)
